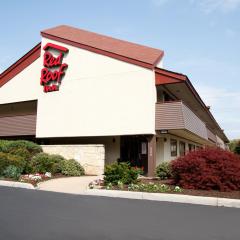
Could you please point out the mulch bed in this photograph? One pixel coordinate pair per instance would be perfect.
(203, 193)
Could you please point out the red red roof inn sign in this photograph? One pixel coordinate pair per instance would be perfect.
(54, 69)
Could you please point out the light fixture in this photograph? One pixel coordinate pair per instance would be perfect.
(164, 131)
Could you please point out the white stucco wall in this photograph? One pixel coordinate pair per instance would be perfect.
(99, 96)
(163, 152)
(24, 86)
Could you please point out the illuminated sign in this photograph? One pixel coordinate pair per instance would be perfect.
(54, 68)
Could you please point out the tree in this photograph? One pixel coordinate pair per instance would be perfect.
(233, 143)
(237, 148)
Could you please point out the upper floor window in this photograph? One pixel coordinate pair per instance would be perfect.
(167, 97)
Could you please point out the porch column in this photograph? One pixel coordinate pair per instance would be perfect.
(151, 155)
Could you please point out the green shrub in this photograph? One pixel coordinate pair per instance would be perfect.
(22, 152)
(19, 145)
(12, 172)
(163, 170)
(7, 159)
(3, 145)
(120, 172)
(43, 162)
(3, 162)
(71, 168)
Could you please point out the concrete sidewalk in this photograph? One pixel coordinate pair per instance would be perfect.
(74, 185)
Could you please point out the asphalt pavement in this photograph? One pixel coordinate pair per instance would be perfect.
(39, 215)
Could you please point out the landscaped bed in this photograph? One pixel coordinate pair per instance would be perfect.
(209, 172)
(24, 161)
(168, 188)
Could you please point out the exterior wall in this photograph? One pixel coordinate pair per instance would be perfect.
(193, 123)
(18, 125)
(99, 96)
(160, 64)
(220, 143)
(211, 136)
(91, 157)
(24, 86)
(163, 147)
(18, 119)
(176, 115)
(111, 144)
(169, 115)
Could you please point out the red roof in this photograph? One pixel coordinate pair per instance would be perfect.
(122, 50)
(20, 64)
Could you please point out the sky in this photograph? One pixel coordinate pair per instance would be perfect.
(200, 38)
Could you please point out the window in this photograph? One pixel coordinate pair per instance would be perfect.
(182, 148)
(167, 97)
(191, 147)
(173, 147)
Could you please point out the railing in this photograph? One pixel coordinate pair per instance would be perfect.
(176, 115)
(211, 136)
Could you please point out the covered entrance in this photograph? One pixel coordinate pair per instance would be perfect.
(138, 151)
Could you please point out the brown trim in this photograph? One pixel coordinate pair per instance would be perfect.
(163, 79)
(170, 74)
(178, 136)
(20, 65)
(100, 51)
(18, 125)
(151, 155)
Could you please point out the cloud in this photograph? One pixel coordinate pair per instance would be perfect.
(225, 105)
(210, 6)
(230, 33)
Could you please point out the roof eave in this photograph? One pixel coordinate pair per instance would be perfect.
(20, 64)
(103, 52)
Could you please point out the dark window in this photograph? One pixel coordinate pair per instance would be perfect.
(173, 147)
(191, 147)
(182, 148)
(167, 97)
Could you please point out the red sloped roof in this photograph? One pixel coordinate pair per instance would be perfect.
(122, 50)
(20, 65)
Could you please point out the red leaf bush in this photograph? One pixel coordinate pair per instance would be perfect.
(207, 169)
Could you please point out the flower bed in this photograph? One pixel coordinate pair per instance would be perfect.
(155, 185)
(35, 178)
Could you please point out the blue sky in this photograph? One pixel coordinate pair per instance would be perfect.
(201, 38)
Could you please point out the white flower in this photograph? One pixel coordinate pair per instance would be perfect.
(48, 174)
(177, 189)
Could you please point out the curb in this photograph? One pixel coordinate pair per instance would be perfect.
(16, 184)
(165, 197)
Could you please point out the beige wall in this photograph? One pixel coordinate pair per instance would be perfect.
(99, 96)
(93, 153)
(163, 147)
(91, 157)
(24, 86)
